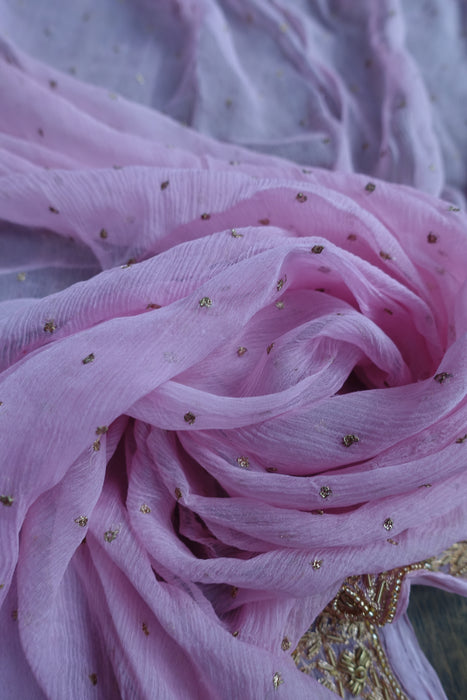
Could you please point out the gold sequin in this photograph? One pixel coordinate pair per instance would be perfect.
(317, 249)
(316, 564)
(277, 680)
(285, 644)
(103, 233)
(432, 237)
(235, 634)
(178, 493)
(441, 377)
(144, 508)
(101, 429)
(145, 629)
(82, 521)
(6, 500)
(280, 304)
(164, 184)
(21, 276)
(111, 535)
(50, 326)
(388, 524)
(205, 216)
(89, 358)
(243, 462)
(384, 255)
(53, 210)
(205, 302)
(234, 233)
(281, 283)
(350, 439)
(325, 492)
(301, 197)
(96, 445)
(241, 350)
(370, 187)
(391, 541)
(269, 348)
(189, 418)
(93, 678)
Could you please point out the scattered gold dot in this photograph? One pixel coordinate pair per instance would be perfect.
(82, 521)
(234, 591)
(243, 462)
(384, 255)
(325, 492)
(301, 197)
(370, 187)
(241, 350)
(271, 470)
(178, 493)
(21, 276)
(93, 678)
(318, 512)
(316, 563)
(441, 377)
(269, 348)
(388, 524)
(205, 216)
(280, 304)
(350, 439)
(102, 429)
(277, 680)
(103, 233)
(128, 264)
(205, 302)
(7, 500)
(281, 283)
(189, 418)
(317, 249)
(144, 508)
(234, 233)
(145, 629)
(53, 210)
(50, 326)
(264, 222)
(426, 486)
(285, 644)
(432, 237)
(391, 541)
(96, 445)
(460, 440)
(352, 237)
(111, 535)
(90, 358)
(235, 634)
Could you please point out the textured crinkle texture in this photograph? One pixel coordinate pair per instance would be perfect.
(202, 350)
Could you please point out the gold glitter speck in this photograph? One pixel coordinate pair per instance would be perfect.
(101, 429)
(370, 187)
(205, 302)
(301, 197)
(21, 276)
(111, 535)
(96, 445)
(280, 304)
(277, 680)
(388, 524)
(205, 216)
(90, 358)
(462, 439)
(50, 326)
(234, 591)
(391, 541)
(441, 377)
(189, 418)
(7, 500)
(384, 255)
(432, 237)
(285, 644)
(178, 493)
(243, 462)
(350, 439)
(82, 521)
(317, 249)
(316, 564)
(144, 508)
(325, 492)
(281, 283)
(103, 233)
(234, 233)
(241, 350)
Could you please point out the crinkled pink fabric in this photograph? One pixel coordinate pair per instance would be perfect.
(202, 348)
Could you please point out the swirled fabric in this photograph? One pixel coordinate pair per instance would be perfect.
(230, 377)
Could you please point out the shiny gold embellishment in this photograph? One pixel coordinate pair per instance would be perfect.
(145, 629)
(241, 351)
(50, 326)
(88, 359)
(316, 564)
(356, 665)
(384, 255)
(388, 524)
(236, 633)
(234, 233)
(233, 592)
(432, 237)
(301, 197)
(281, 283)
(391, 541)
(178, 493)
(128, 264)
(285, 644)
(21, 276)
(7, 500)
(280, 304)
(93, 678)
(53, 210)
(102, 429)
(243, 462)
(425, 486)
(460, 440)
(271, 470)
(370, 187)
(277, 680)
(441, 377)
(96, 445)
(205, 216)
(111, 535)
(164, 185)
(189, 418)
(103, 233)
(352, 237)
(325, 492)
(269, 348)
(350, 439)
(205, 302)
(144, 508)
(82, 521)
(317, 249)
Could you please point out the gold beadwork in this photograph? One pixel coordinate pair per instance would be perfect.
(234, 233)
(6, 500)
(350, 439)
(144, 508)
(96, 445)
(50, 326)
(316, 563)
(102, 429)
(281, 283)
(205, 302)
(82, 520)
(384, 255)
(462, 439)
(241, 350)
(205, 216)
(233, 592)
(370, 187)
(317, 249)
(285, 644)
(280, 304)
(388, 524)
(301, 197)
(243, 462)
(432, 237)
(111, 535)
(325, 492)
(189, 418)
(89, 358)
(441, 377)
(277, 680)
